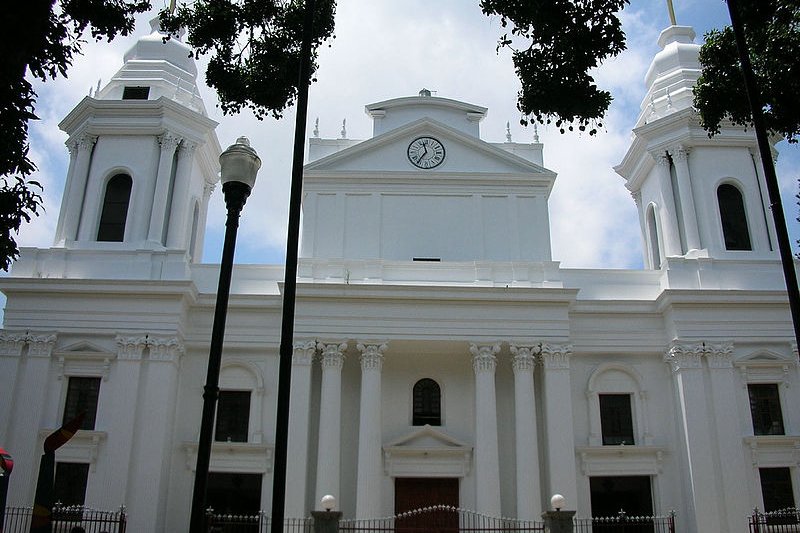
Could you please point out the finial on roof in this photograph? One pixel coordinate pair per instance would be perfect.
(316, 128)
(508, 132)
(535, 133)
(425, 92)
(98, 86)
(344, 128)
(671, 13)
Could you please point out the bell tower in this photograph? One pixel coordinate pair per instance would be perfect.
(697, 196)
(143, 156)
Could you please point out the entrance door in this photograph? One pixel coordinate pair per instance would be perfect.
(630, 494)
(411, 494)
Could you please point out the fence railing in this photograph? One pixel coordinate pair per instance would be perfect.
(624, 523)
(68, 519)
(783, 521)
(440, 519)
(253, 523)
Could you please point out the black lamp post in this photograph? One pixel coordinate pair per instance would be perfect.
(239, 166)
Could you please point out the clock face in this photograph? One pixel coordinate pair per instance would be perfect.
(425, 152)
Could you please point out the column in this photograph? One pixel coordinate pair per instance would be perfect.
(693, 418)
(199, 232)
(72, 147)
(487, 459)
(169, 142)
(766, 209)
(180, 212)
(668, 211)
(153, 446)
(72, 206)
(330, 414)
(735, 477)
(680, 157)
(11, 345)
(123, 404)
(529, 497)
(299, 411)
(368, 491)
(558, 420)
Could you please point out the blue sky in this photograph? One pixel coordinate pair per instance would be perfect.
(386, 49)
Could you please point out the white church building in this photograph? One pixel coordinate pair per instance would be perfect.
(440, 354)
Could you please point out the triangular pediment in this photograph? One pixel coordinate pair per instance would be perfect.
(763, 356)
(464, 154)
(82, 349)
(426, 438)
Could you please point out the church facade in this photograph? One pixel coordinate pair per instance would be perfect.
(440, 354)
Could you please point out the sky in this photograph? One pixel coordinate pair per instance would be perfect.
(389, 48)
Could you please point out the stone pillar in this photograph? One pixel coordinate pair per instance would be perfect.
(487, 459)
(529, 496)
(558, 420)
(330, 414)
(680, 157)
(559, 521)
(668, 212)
(735, 477)
(299, 410)
(74, 195)
(169, 142)
(368, 487)
(153, 446)
(180, 212)
(693, 418)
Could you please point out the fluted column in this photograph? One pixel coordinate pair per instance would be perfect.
(668, 211)
(680, 157)
(735, 478)
(529, 497)
(180, 212)
(169, 142)
(368, 491)
(72, 206)
(700, 482)
(558, 419)
(487, 459)
(330, 415)
(299, 411)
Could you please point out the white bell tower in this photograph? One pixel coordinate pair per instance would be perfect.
(697, 196)
(143, 156)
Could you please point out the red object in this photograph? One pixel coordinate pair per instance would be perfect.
(59, 437)
(6, 461)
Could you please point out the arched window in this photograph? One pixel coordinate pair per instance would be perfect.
(427, 403)
(115, 209)
(733, 218)
(653, 241)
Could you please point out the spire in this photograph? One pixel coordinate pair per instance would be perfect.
(671, 13)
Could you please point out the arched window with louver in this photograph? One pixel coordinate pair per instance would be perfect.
(427, 403)
(115, 209)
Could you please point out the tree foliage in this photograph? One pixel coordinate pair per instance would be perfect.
(772, 29)
(41, 41)
(562, 40)
(254, 47)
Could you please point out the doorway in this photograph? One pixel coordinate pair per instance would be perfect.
(411, 494)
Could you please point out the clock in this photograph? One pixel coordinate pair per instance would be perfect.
(426, 152)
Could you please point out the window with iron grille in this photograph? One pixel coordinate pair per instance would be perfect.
(427, 399)
(82, 395)
(616, 419)
(765, 409)
(776, 488)
(69, 487)
(233, 416)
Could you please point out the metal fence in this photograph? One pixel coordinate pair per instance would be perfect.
(623, 523)
(440, 519)
(253, 523)
(783, 521)
(68, 519)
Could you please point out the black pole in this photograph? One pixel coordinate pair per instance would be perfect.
(290, 279)
(236, 194)
(776, 206)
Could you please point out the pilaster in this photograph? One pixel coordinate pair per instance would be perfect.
(368, 491)
(72, 206)
(487, 459)
(330, 415)
(180, 212)
(169, 142)
(680, 157)
(529, 497)
(299, 409)
(668, 211)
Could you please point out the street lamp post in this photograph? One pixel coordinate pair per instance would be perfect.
(239, 166)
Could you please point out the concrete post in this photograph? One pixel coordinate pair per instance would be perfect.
(326, 521)
(558, 521)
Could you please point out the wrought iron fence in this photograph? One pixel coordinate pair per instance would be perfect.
(623, 523)
(68, 519)
(253, 523)
(440, 519)
(783, 521)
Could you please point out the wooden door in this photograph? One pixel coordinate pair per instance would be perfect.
(412, 494)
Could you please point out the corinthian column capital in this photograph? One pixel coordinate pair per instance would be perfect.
(483, 356)
(556, 356)
(332, 354)
(372, 354)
